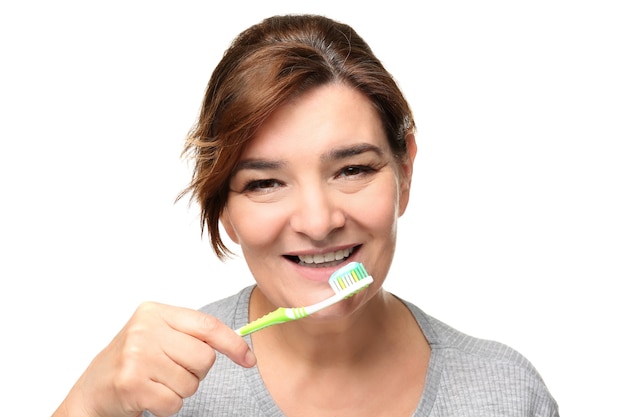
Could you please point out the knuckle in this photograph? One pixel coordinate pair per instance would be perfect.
(208, 323)
(127, 382)
(168, 405)
(146, 307)
(189, 387)
(209, 360)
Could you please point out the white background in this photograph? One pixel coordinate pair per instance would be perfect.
(515, 230)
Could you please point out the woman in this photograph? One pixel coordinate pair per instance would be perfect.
(303, 153)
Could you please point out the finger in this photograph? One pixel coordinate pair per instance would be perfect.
(168, 403)
(190, 353)
(137, 390)
(211, 331)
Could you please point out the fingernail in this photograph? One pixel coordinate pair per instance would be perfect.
(250, 358)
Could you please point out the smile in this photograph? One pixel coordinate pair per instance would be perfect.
(323, 259)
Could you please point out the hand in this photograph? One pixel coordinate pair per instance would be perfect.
(157, 359)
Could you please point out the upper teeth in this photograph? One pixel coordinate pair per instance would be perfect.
(325, 257)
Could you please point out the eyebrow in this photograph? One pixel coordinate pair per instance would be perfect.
(257, 164)
(352, 150)
(332, 155)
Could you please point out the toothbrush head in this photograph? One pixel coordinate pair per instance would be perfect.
(349, 277)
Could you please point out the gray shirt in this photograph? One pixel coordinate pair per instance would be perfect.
(466, 376)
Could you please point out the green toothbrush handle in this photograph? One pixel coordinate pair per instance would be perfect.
(280, 315)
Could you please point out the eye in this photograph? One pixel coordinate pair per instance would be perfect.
(355, 170)
(264, 185)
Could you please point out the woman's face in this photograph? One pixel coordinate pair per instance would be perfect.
(316, 188)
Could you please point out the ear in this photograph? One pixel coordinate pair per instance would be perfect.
(228, 225)
(406, 168)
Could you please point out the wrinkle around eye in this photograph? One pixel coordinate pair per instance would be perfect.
(261, 191)
(265, 185)
(356, 172)
(241, 186)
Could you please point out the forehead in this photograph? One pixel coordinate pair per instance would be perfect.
(332, 115)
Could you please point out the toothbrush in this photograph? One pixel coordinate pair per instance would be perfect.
(345, 282)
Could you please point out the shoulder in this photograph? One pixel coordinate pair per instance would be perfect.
(457, 343)
(487, 375)
(454, 343)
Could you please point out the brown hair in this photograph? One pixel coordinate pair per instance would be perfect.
(267, 64)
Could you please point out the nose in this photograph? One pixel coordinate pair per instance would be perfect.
(317, 212)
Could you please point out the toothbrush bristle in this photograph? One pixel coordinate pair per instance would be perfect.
(347, 276)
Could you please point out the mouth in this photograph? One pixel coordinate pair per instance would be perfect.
(322, 260)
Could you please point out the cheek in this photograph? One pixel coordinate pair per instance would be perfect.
(254, 225)
(385, 213)
(378, 208)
